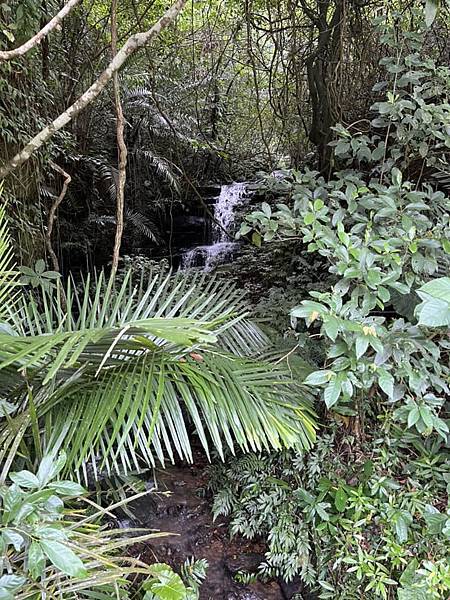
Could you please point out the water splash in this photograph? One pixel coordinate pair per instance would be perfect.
(221, 250)
(208, 256)
(229, 198)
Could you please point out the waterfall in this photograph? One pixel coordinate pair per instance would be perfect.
(221, 248)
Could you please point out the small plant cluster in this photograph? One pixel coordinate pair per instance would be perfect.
(347, 523)
(48, 548)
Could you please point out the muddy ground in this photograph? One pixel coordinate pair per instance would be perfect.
(179, 508)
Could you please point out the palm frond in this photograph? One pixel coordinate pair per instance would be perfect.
(124, 376)
(139, 221)
(8, 275)
(163, 167)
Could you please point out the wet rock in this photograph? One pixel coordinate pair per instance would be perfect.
(243, 562)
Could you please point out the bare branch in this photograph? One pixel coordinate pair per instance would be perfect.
(52, 213)
(135, 42)
(35, 40)
(122, 148)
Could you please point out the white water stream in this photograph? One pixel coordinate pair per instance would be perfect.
(221, 248)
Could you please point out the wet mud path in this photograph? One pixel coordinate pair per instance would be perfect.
(178, 507)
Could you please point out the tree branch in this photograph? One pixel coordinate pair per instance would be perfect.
(35, 40)
(122, 147)
(135, 42)
(52, 213)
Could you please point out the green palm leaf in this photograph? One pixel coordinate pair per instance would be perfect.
(126, 375)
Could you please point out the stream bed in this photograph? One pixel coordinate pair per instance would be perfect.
(179, 508)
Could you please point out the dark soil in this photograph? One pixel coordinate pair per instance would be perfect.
(178, 507)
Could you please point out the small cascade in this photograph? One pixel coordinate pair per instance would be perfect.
(221, 249)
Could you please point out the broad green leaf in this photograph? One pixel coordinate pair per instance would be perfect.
(413, 416)
(434, 313)
(318, 378)
(396, 177)
(332, 392)
(11, 536)
(67, 488)
(12, 582)
(63, 558)
(266, 209)
(36, 560)
(402, 519)
(340, 499)
(426, 415)
(49, 467)
(39, 267)
(331, 326)
(169, 585)
(256, 239)
(25, 479)
(386, 382)
(318, 204)
(438, 288)
(362, 343)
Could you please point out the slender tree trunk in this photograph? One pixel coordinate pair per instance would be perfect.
(121, 146)
(319, 73)
(52, 214)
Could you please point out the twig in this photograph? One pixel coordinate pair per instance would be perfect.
(52, 214)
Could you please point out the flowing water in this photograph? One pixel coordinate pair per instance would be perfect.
(221, 248)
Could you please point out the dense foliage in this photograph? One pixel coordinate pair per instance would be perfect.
(322, 396)
(371, 519)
